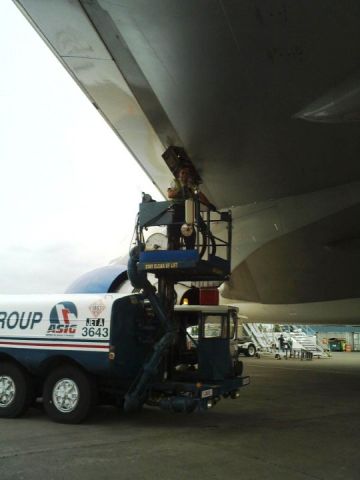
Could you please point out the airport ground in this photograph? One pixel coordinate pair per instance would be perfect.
(298, 420)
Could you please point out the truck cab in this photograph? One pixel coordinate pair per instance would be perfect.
(207, 338)
(202, 365)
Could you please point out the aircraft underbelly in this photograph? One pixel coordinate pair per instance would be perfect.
(234, 83)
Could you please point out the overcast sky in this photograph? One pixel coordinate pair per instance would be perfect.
(65, 206)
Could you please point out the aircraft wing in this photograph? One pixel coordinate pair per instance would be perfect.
(264, 96)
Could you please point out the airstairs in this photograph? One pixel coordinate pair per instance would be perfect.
(306, 337)
(303, 339)
(263, 340)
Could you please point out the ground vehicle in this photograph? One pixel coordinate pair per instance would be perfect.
(79, 350)
(246, 346)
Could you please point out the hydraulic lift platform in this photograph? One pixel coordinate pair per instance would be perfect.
(184, 265)
(207, 257)
(210, 257)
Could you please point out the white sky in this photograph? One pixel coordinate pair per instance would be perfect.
(65, 206)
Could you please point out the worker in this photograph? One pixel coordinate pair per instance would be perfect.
(290, 344)
(282, 343)
(181, 189)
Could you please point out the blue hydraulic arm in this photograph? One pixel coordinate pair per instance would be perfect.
(137, 393)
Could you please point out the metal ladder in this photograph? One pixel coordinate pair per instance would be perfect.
(263, 340)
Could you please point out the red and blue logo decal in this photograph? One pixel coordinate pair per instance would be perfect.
(63, 319)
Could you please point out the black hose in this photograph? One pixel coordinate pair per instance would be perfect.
(137, 393)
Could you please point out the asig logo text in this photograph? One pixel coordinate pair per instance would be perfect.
(63, 318)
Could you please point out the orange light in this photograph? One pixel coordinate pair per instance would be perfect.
(185, 301)
(198, 385)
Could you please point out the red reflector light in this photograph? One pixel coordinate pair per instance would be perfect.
(209, 296)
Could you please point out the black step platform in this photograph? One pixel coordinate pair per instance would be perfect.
(184, 265)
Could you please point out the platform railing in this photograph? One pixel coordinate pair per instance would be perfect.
(207, 244)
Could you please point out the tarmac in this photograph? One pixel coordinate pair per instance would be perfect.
(297, 420)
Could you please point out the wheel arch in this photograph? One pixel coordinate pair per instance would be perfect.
(55, 361)
(7, 357)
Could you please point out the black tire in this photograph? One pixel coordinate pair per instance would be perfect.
(251, 350)
(16, 391)
(76, 394)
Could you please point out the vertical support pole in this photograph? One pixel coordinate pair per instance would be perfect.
(166, 293)
(229, 237)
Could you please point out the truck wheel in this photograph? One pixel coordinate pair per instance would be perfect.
(69, 395)
(15, 390)
(251, 350)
